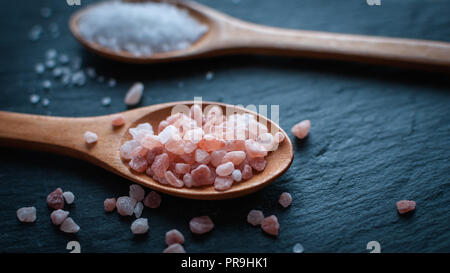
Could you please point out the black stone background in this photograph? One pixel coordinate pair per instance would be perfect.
(378, 135)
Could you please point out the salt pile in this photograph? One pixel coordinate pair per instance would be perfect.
(140, 28)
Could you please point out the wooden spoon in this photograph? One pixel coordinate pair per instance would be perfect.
(227, 35)
(66, 136)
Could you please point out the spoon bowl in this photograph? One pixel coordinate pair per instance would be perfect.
(227, 35)
(65, 136)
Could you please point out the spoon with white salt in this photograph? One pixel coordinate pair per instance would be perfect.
(227, 35)
(66, 136)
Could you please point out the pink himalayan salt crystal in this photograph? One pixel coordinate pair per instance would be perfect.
(90, 137)
(26, 214)
(235, 145)
(55, 199)
(202, 156)
(175, 145)
(125, 205)
(285, 199)
(189, 146)
(278, 137)
(151, 155)
(151, 142)
(301, 129)
(182, 168)
(194, 135)
(174, 237)
(69, 197)
(217, 156)
(139, 151)
(137, 192)
(174, 248)
(235, 157)
(187, 179)
(109, 204)
(58, 216)
(168, 132)
(200, 225)
(247, 172)
(173, 180)
(138, 164)
(266, 141)
(140, 131)
(254, 149)
(139, 226)
(127, 148)
(270, 225)
(138, 209)
(118, 121)
(404, 206)
(237, 175)
(160, 164)
(222, 183)
(69, 226)
(255, 217)
(201, 176)
(152, 200)
(258, 163)
(210, 143)
(162, 125)
(225, 169)
(134, 94)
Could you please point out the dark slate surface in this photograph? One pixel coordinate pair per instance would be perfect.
(378, 135)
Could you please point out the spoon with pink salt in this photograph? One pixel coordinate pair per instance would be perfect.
(66, 136)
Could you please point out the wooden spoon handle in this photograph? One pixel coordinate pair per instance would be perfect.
(257, 39)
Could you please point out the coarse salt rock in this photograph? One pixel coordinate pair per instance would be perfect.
(90, 137)
(278, 137)
(202, 156)
(201, 224)
(152, 200)
(142, 130)
(138, 209)
(237, 175)
(168, 132)
(298, 248)
(174, 248)
(255, 217)
(139, 226)
(69, 226)
(189, 147)
(235, 157)
(58, 216)
(247, 172)
(270, 225)
(55, 199)
(225, 169)
(217, 157)
(173, 180)
(194, 135)
(109, 204)
(151, 142)
(258, 163)
(266, 141)
(125, 205)
(26, 214)
(235, 145)
(127, 149)
(182, 168)
(301, 129)
(174, 237)
(160, 165)
(285, 199)
(223, 183)
(134, 94)
(69, 197)
(118, 121)
(254, 149)
(138, 164)
(140, 151)
(405, 206)
(175, 145)
(137, 192)
(201, 176)
(187, 179)
(209, 143)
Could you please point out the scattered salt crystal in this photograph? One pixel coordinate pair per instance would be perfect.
(118, 121)
(46, 84)
(174, 248)
(34, 98)
(109, 204)
(125, 205)
(301, 129)
(285, 199)
(69, 226)
(69, 197)
(255, 217)
(209, 75)
(152, 200)
(35, 33)
(139, 226)
(58, 216)
(46, 12)
(50, 63)
(298, 248)
(137, 192)
(51, 53)
(134, 94)
(270, 225)
(138, 209)
(200, 225)
(112, 82)
(90, 137)
(26, 214)
(55, 199)
(63, 59)
(57, 72)
(236, 175)
(404, 206)
(39, 68)
(45, 102)
(127, 148)
(174, 237)
(223, 183)
(106, 101)
(225, 169)
(78, 78)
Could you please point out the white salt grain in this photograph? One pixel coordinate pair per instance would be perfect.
(298, 248)
(45, 102)
(69, 197)
(50, 63)
(39, 68)
(69, 226)
(51, 53)
(90, 137)
(139, 226)
(27, 214)
(34, 98)
(47, 84)
(35, 33)
(106, 101)
(140, 28)
(58, 216)
(138, 209)
(112, 82)
(209, 75)
(63, 59)
(134, 95)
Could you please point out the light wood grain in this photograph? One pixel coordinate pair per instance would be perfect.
(66, 136)
(228, 35)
